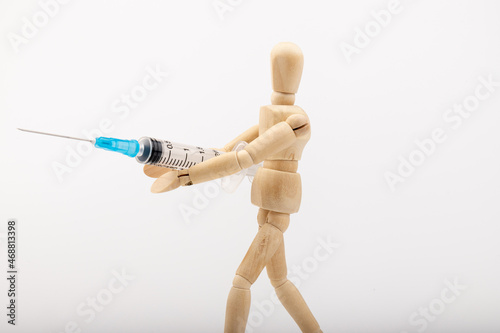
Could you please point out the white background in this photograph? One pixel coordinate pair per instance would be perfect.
(397, 248)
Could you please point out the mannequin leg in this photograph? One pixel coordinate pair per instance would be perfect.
(289, 295)
(266, 242)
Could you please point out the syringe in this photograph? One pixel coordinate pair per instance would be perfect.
(163, 153)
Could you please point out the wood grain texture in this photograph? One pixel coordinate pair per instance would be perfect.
(278, 98)
(277, 191)
(167, 182)
(296, 306)
(214, 168)
(273, 114)
(237, 310)
(282, 165)
(287, 63)
(274, 139)
(263, 247)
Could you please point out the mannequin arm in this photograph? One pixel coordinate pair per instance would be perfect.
(248, 136)
(275, 139)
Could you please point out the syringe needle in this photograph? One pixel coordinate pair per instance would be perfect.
(61, 136)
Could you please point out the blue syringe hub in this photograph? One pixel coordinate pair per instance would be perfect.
(125, 147)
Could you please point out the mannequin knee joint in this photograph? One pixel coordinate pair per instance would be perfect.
(278, 283)
(279, 220)
(241, 283)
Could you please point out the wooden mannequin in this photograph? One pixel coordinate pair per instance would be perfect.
(278, 140)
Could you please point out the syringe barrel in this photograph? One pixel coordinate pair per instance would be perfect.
(172, 155)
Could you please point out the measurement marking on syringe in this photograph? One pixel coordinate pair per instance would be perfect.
(185, 161)
(169, 154)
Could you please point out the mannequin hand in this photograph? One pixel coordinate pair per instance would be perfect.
(167, 179)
